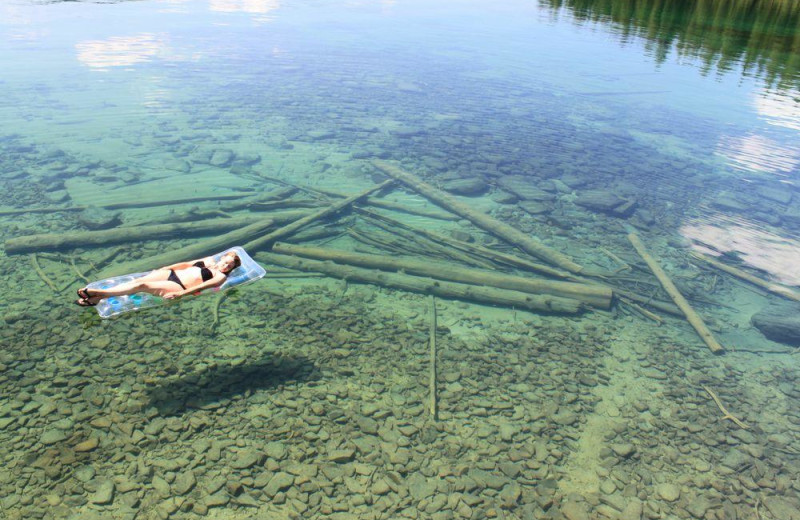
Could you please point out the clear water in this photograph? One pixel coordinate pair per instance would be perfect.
(690, 111)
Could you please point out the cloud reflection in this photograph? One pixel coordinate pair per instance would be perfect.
(759, 153)
(779, 108)
(758, 248)
(120, 51)
(244, 6)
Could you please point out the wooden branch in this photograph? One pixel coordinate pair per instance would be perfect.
(431, 245)
(434, 408)
(725, 413)
(41, 273)
(481, 251)
(593, 295)
(450, 290)
(483, 221)
(641, 310)
(693, 318)
(393, 206)
(296, 225)
(774, 288)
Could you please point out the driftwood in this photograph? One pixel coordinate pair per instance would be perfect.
(483, 221)
(196, 250)
(119, 235)
(41, 273)
(289, 229)
(420, 241)
(122, 205)
(434, 408)
(450, 290)
(694, 319)
(774, 288)
(393, 206)
(725, 413)
(593, 295)
(474, 249)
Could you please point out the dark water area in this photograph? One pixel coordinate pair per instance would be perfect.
(572, 125)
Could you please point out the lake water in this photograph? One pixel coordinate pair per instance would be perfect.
(307, 396)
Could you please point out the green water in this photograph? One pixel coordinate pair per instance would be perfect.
(308, 395)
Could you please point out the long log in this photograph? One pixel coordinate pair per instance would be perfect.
(780, 290)
(287, 230)
(474, 249)
(121, 205)
(449, 290)
(593, 295)
(500, 229)
(692, 317)
(196, 250)
(393, 206)
(120, 235)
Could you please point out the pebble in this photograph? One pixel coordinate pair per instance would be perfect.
(276, 450)
(184, 482)
(246, 459)
(668, 492)
(380, 487)
(279, 482)
(87, 445)
(345, 455)
(575, 511)
(53, 436)
(217, 499)
(104, 494)
(623, 450)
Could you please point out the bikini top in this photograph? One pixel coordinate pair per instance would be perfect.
(205, 272)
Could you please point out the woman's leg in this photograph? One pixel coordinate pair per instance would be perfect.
(131, 287)
(157, 288)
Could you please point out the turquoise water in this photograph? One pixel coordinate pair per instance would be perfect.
(307, 396)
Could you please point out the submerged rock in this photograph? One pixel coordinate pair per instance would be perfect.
(534, 208)
(98, 218)
(221, 158)
(604, 201)
(104, 493)
(525, 188)
(779, 322)
(471, 187)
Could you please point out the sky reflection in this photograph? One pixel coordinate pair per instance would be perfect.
(755, 246)
(120, 51)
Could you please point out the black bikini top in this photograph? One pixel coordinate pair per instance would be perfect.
(205, 272)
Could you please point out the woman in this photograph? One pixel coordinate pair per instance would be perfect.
(170, 282)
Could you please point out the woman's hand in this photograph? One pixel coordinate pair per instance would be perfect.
(173, 295)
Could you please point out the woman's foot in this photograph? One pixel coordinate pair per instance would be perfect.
(84, 293)
(84, 302)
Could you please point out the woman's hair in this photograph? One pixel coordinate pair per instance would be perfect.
(236, 261)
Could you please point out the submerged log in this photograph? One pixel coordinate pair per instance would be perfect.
(780, 290)
(287, 230)
(694, 319)
(394, 206)
(473, 249)
(197, 250)
(121, 205)
(120, 235)
(593, 295)
(450, 290)
(500, 229)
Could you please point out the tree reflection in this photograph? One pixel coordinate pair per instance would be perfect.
(760, 36)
